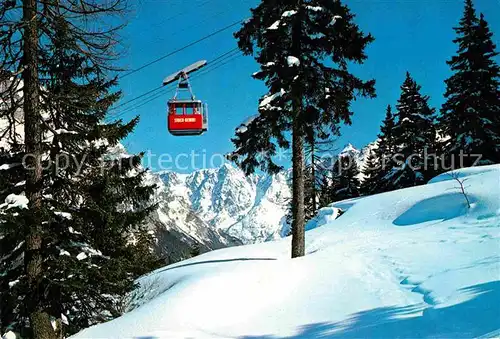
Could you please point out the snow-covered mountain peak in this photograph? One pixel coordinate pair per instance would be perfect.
(349, 148)
(249, 208)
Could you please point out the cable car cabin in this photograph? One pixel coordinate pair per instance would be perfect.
(187, 117)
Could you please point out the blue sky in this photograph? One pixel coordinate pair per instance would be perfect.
(413, 35)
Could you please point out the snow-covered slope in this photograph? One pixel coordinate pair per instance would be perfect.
(411, 263)
(251, 209)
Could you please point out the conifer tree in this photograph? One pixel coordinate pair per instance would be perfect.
(325, 196)
(370, 171)
(317, 151)
(311, 173)
(385, 153)
(304, 49)
(414, 133)
(385, 143)
(470, 117)
(414, 139)
(310, 192)
(342, 182)
(91, 203)
(345, 179)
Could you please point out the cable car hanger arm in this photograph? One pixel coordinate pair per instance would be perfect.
(185, 71)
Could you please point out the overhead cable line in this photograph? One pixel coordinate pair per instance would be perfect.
(182, 48)
(219, 64)
(137, 97)
(171, 87)
(210, 64)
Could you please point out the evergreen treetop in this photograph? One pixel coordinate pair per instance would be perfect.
(370, 171)
(469, 118)
(414, 130)
(385, 142)
(343, 181)
(304, 49)
(293, 42)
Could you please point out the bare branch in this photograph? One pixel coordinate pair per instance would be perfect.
(456, 177)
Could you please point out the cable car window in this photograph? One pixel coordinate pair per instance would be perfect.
(179, 110)
(189, 110)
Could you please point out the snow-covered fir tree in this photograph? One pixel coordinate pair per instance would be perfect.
(304, 48)
(414, 138)
(92, 202)
(346, 184)
(385, 142)
(325, 191)
(370, 170)
(343, 182)
(470, 117)
(415, 132)
(384, 153)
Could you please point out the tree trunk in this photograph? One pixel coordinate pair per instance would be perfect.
(41, 325)
(313, 176)
(298, 231)
(39, 320)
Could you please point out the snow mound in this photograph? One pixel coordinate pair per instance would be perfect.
(411, 263)
(464, 172)
(324, 216)
(438, 208)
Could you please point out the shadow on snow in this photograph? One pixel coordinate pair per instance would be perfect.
(474, 318)
(439, 208)
(213, 262)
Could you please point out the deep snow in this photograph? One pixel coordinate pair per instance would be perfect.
(410, 263)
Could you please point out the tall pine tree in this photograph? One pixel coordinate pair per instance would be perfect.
(91, 203)
(384, 153)
(470, 117)
(343, 182)
(415, 134)
(385, 143)
(304, 49)
(346, 183)
(414, 139)
(370, 171)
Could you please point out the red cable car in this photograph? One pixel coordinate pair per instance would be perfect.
(186, 116)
